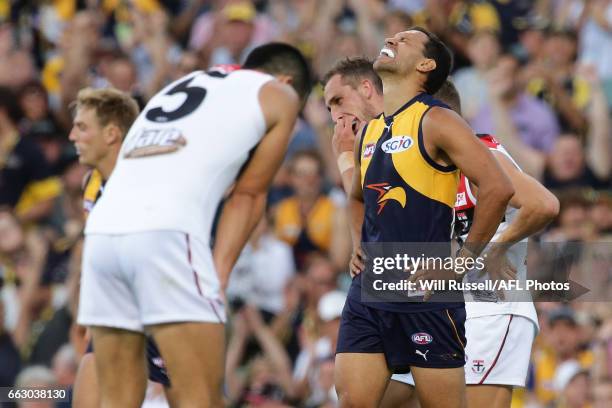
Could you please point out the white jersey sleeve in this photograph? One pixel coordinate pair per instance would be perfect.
(181, 155)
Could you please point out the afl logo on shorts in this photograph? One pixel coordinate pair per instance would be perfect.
(397, 144)
(422, 338)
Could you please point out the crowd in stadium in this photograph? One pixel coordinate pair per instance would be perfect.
(535, 73)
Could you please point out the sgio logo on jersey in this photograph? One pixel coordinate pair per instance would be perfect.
(397, 144)
(150, 142)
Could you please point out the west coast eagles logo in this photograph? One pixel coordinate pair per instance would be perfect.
(386, 192)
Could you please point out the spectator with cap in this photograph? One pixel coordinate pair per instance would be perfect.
(315, 357)
(560, 345)
(572, 384)
(225, 36)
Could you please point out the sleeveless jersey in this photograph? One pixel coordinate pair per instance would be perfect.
(94, 186)
(481, 303)
(181, 155)
(408, 197)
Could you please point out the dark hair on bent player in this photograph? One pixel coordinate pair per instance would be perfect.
(449, 95)
(352, 70)
(282, 59)
(439, 52)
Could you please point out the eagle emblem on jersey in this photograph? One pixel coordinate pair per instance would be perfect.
(151, 142)
(386, 192)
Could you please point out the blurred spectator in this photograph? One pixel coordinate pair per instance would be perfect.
(524, 125)
(552, 77)
(268, 378)
(225, 36)
(262, 272)
(9, 355)
(573, 223)
(22, 257)
(36, 377)
(25, 180)
(64, 366)
(471, 82)
(571, 165)
(560, 346)
(310, 221)
(596, 38)
(315, 359)
(572, 383)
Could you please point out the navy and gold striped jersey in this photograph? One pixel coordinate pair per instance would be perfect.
(94, 185)
(408, 197)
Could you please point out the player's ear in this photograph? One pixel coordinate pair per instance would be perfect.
(426, 65)
(112, 134)
(285, 79)
(366, 89)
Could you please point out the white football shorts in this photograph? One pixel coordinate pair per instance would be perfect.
(134, 280)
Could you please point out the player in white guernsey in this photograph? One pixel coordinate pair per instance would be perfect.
(147, 262)
(498, 352)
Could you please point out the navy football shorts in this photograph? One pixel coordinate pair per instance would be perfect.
(430, 339)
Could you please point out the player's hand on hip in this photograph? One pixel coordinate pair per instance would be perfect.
(498, 267)
(357, 263)
(420, 276)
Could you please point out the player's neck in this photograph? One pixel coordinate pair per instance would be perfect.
(106, 165)
(397, 93)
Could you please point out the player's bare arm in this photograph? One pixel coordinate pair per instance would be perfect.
(448, 135)
(245, 206)
(537, 206)
(356, 210)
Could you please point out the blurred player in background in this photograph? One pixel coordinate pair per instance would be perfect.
(147, 263)
(531, 208)
(102, 119)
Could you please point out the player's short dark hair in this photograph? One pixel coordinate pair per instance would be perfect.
(439, 52)
(10, 105)
(352, 70)
(449, 95)
(282, 59)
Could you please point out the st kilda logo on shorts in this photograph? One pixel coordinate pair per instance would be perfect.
(478, 366)
(422, 338)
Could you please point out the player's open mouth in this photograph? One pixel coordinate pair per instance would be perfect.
(387, 52)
